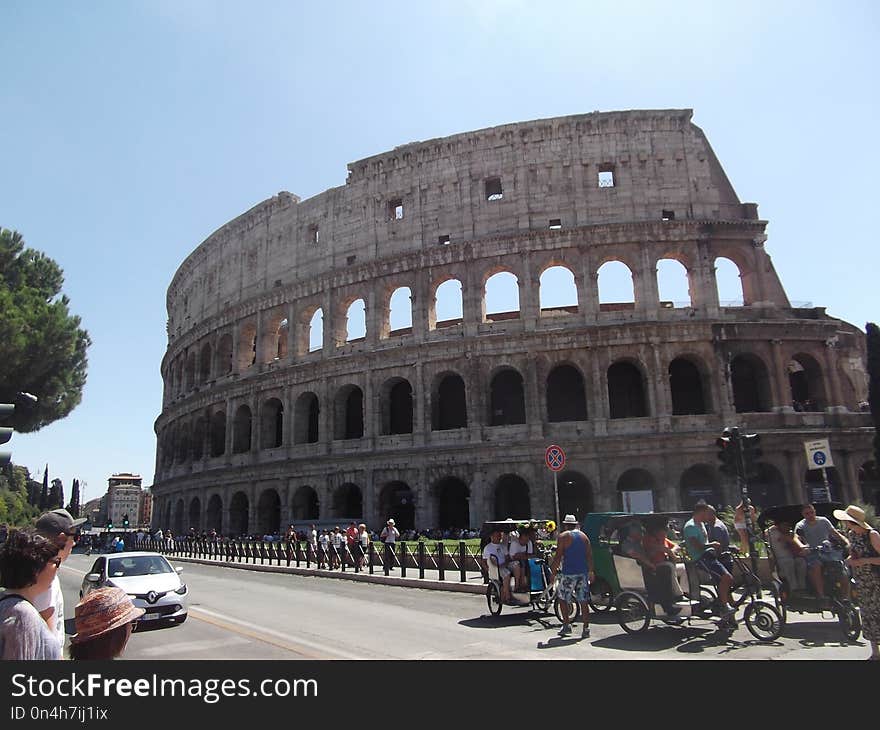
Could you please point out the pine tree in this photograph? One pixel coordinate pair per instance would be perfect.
(873, 342)
(44, 492)
(56, 495)
(73, 507)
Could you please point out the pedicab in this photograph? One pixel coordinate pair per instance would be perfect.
(541, 591)
(794, 595)
(637, 608)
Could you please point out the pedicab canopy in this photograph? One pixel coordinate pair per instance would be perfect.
(791, 513)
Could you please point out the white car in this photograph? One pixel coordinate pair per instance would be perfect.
(149, 580)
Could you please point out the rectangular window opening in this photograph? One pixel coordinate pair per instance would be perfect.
(555, 224)
(668, 215)
(606, 177)
(395, 210)
(351, 259)
(313, 234)
(443, 240)
(493, 189)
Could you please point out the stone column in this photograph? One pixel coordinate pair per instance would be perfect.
(834, 376)
(236, 345)
(529, 304)
(421, 425)
(796, 467)
(648, 294)
(779, 376)
(293, 327)
(420, 299)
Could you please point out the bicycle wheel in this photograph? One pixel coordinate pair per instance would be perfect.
(601, 595)
(763, 621)
(633, 613)
(574, 609)
(493, 598)
(850, 621)
(546, 599)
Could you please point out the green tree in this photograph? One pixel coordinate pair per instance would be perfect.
(42, 348)
(74, 507)
(56, 495)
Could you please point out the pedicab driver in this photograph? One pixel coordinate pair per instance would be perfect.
(574, 551)
(497, 549)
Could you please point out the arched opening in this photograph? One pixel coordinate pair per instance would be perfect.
(566, 395)
(686, 388)
(397, 406)
(728, 282)
(453, 503)
(807, 385)
(238, 514)
(182, 443)
(767, 488)
(400, 312)
(241, 430)
(349, 413)
(195, 514)
(626, 391)
(224, 355)
(636, 489)
(397, 502)
(615, 285)
(282, 335)
(501, 297)
(269, 513)
(673, 284)
(179, 517)
(168, 521)
(272, 435)
(575, 494)
(700, 482)
(305, 504)
(200, 431)
(356, 321)
(305, 413)
(448, 310)
(348, 502)
(218, 433)
(814, 484)
(558, 291)
(449, 405)
(316, 330)
(751, 384)
(247, 345)
(190, 370)
(512, 498)
(214, 515)
(869, 484)
(507, 402)
(205, 363)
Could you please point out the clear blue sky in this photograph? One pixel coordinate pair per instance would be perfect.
(132, 130)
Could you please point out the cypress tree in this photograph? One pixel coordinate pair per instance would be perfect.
(44, 492)
(73, 507)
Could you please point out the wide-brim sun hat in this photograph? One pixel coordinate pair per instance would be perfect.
(391, 522)
(103, 610)
(852, 514)
(569, 520)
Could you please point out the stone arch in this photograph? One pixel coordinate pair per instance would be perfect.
(214, 514)
(195, 514)
(448, 309)
(315, 331)
(750, 381)
(575, 494)
(247, 344)
(767, 488)
(272, 426)
(448, 402)
(356, 321)
(397, 502)
(815, 487)
(507, 400)
(728, 282)
(305, 504)
(269, 512)
(241, 429)
(306, 415)
(182, 446)
(453, 503)
(205, 363)
(501, 297)
(199, 436)
(673, 284)
(224, 355)
(399, 313)
(238, 514)
(512, 498)
(218, 433)
(190, 370)
(566, 394)
(637, 489)
(397, 406)
(806, 383)
(275, 331)
(626, 390)
(686, 387)
(557, 291)
(349, 413)
(614, 281)
(179, 517)
(699, 482)
(348, 502)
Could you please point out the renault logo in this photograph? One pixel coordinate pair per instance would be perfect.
(152, 597)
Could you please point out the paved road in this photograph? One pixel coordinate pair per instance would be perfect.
(237, 614)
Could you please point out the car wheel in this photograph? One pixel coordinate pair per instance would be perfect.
(633, 613)
(763, 621)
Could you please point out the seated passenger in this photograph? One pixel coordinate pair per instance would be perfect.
(816, 532)
(705, 553)
(522, 547)
(659, 577)
(664, 554)
(789, 552)
(497, 549)
(718, 532)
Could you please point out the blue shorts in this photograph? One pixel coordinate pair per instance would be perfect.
(828, 556)
(576, 586)
(713, 566)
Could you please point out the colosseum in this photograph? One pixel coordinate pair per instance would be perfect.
(339, 357)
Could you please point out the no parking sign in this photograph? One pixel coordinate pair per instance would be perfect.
(554, 457)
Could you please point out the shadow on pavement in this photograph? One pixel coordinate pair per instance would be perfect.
(512, 619)
(818, 634)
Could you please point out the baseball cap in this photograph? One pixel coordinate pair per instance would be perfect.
(58, 520)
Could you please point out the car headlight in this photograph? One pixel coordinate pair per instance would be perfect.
(182, 590)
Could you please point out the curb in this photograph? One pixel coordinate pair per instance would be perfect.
(436, 585)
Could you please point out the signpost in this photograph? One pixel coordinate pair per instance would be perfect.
(554, 458)
(819, 457)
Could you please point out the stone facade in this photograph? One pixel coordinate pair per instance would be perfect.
(445, 422)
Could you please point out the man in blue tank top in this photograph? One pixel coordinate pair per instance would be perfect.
(574, 551)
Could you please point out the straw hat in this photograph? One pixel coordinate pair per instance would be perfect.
(852, 514)
(569, 520)
(103, 610)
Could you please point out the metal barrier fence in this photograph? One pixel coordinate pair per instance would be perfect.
(458, 561)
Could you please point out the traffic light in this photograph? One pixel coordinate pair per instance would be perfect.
(727, 448)
(7, 410)
(110, 525)
(751, 453)
(125, 521)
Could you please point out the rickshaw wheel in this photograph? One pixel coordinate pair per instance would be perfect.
(778, 602)
(493, 598)
(850, 622)
(545, 600)
(763, 621)
(574, 609)
(601, 595)
(633, 613)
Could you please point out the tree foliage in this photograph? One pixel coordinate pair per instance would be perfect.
(15, 509)
(73, 507)
(42, 348)
(56, 495)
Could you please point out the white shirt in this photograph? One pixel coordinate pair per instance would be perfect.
(313, 537)
(517, 547)
(499, 550)
(390, 534)
(53, 597)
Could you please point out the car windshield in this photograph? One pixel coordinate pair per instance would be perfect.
(138, 565)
